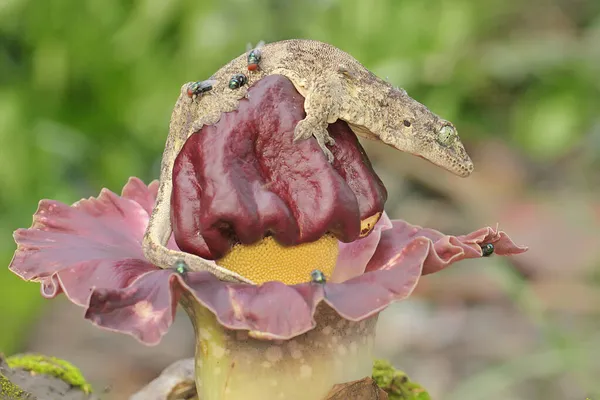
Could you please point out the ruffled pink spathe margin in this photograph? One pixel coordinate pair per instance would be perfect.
(92, 251)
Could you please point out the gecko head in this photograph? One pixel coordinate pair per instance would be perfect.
(411, 127)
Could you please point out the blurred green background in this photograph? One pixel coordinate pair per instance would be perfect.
(87, 88)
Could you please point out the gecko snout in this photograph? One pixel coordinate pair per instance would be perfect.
(450, 152)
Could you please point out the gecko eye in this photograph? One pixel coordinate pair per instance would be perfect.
(447, 135)
(406, 123)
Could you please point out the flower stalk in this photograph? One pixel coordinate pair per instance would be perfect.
(234, 364)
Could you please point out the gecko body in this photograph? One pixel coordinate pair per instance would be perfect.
(335, 86)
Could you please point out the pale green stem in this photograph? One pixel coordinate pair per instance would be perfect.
(232, 365)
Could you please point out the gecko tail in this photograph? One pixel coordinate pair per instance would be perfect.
(163, 257)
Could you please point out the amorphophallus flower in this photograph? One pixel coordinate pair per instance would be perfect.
(311, 235)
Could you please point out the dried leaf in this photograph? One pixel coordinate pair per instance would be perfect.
(363, 389)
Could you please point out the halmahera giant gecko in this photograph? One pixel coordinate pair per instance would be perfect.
(335, 86)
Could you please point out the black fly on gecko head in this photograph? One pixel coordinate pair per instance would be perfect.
(196, 89)
(237, 81)
(254, 56)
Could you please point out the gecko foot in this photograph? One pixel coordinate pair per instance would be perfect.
(304, 130)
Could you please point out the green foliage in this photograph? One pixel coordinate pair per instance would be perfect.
(87, 87)
(10, 391)
(52, 366)
(396, 383)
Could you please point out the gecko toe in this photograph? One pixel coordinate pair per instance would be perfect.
(328, 154)
(324, 139)
(303, 131)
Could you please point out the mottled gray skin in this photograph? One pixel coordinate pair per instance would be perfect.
(335, 86)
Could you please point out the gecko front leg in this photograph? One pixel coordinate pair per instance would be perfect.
(322, 108)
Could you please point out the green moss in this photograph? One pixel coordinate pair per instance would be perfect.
(396, 383)
(52, 366)
(10, 391)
